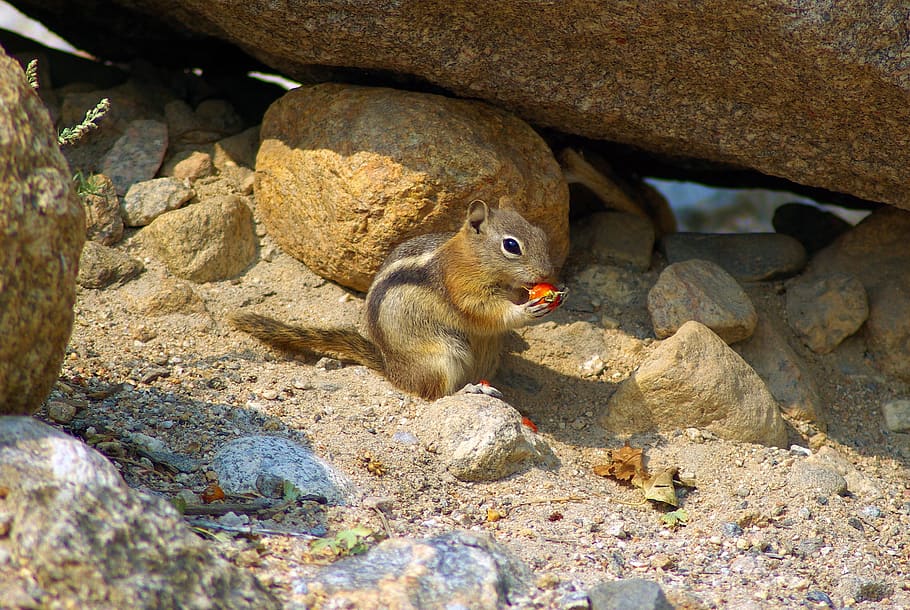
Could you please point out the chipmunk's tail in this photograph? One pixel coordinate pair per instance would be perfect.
(341, 343)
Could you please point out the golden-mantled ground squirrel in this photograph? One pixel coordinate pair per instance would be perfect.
(439, 306)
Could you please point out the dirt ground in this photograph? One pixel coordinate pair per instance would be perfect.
(754, 538)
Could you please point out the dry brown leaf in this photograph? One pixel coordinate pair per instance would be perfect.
(659, 487)
(212, 493)
(603, 470)
(625, 463)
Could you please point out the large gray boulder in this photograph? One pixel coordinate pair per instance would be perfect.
(42, 229)
(793, 89)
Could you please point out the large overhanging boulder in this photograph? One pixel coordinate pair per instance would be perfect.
(808, 91)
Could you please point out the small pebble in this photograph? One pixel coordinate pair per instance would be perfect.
(872, 512)
(328, 364)
(732, 529)
(797, 450)
(61, 412)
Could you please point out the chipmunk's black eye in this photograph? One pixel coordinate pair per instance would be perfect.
(511, 246)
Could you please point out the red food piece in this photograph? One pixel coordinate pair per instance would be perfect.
(548, 293)
(526, 422)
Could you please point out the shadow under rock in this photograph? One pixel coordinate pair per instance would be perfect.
(564, 406)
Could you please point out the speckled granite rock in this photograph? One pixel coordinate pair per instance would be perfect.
(693, 379)
(344, 174)
(453, 570)
(42, 229)
(793, 89)
(205, 242)
(79, 537)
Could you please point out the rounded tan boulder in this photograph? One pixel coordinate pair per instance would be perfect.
(345, 173)
(42, 229)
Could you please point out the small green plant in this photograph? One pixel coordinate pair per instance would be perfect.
(31, 74)
(353, 541)
(86, 185)
(71, 135)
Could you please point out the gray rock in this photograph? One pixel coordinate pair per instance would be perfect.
(897, 415)
(346, 173)
(100, 266)
(814, 228)
(147, 200)
(613, 238)
(815, 479)
(137, 155)
(748, 257)
(42, 229)
(102, 211)
(858, 483)
(453, 570)
(240, 462)
(80, 537)
(826, 309)
(481, 438)
(628, 594)
(783, 371)
(702, 291)
(205, 242)
(694, 379)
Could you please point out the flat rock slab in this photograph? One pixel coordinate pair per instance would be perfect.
(794, 89)
(453, 570)
(749, 257)
(614, 238)
(241, 462)
(136, 155)
(694, 379)
(702, 291)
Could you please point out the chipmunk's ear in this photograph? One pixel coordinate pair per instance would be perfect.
(478, 212)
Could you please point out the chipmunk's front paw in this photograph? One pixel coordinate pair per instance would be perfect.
(482, 387)
(537, 308)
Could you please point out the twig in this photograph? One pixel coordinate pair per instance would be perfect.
(549, 500)
(385, 521)
(206, 524)
(248, 508)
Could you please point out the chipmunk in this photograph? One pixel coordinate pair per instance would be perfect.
(439, 306)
